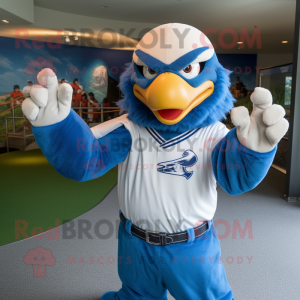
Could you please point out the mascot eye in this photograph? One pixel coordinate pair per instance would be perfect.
(148, 72)
(152, 72)
(190, 71)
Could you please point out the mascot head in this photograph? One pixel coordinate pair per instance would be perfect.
(175, 82)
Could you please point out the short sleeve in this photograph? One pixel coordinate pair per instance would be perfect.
(219, 132)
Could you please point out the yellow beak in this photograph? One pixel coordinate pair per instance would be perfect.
(171, 98)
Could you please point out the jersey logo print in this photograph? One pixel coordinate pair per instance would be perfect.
(179, 166)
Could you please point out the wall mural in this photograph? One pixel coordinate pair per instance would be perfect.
(97, 70)
(21, 61)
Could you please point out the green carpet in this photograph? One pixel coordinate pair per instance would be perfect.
(33, 194)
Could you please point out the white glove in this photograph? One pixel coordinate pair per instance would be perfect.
(265, 127)
(47, 104)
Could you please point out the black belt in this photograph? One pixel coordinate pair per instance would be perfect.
(162, 238)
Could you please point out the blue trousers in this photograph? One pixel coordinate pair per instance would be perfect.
(189, 270)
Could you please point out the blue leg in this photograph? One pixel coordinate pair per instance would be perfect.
(193, 270)
(138, 270)
(109, 296)
(189, 270)
(127, 293)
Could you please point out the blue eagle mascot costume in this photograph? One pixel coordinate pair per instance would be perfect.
(171, 151)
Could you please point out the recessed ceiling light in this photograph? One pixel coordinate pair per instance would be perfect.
(5, 21)
(240, 42)
(67, 39)
(104, 6)
(284, 42)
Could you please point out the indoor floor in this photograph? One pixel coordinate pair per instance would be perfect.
(273, 251)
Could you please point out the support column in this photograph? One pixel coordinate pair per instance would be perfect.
(292, 188)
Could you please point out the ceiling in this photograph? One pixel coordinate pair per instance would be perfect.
(14, 19)
(274, 18)
(201, 13)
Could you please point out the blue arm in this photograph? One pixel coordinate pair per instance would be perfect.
(75, 153)
(238, 169)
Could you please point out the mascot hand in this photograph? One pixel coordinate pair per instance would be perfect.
(47, 104)
(265, 127)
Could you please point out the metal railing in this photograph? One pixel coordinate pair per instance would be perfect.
(101, 112)
(23, 135)
(19, 135)
(14, 100)
(13, 112)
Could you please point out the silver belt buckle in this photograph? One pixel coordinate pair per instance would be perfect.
(147, 235)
